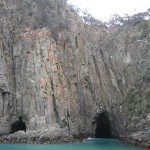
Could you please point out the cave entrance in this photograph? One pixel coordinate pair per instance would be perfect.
(103, 127)
(18, 125)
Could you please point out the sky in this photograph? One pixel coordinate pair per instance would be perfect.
(104, 9)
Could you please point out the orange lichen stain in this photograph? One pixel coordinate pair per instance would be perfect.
(40, 33)
(54, 68)
(43, 81)
(51, 56)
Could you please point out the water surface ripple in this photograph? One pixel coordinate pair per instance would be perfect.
(89, 144)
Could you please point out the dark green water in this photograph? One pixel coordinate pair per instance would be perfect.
(92, 144)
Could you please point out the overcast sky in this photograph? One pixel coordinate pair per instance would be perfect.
(104, 9)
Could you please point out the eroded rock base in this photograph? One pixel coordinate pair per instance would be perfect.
(42, 137)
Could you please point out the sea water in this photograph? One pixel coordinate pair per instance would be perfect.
(89, 144)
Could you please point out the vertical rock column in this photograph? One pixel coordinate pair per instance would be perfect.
(4, 96)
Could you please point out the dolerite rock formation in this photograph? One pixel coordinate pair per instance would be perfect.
(58, 73)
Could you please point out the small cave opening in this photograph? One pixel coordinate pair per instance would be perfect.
(103, 127)
(18, 126)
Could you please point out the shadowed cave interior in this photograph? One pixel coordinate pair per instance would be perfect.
(18, 125)
(103, 127)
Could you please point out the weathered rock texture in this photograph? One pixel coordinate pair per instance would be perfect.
(58, 73)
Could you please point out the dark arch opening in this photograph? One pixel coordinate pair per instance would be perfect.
(18, 125)
(103, 127)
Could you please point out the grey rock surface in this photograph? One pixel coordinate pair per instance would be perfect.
(59, 73)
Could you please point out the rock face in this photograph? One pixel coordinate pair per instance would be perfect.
(57, 72)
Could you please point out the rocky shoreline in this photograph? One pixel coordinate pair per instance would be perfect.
(58, 140)
(24, 138)
(40, 137)
(135, 142)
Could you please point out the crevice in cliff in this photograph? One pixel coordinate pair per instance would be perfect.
(103, 127)
(76, 41)
(68, 115)
(18, 126)
(3, 103)
(56, 109)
